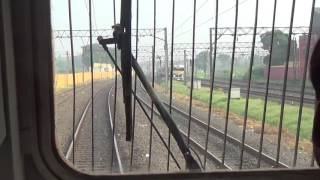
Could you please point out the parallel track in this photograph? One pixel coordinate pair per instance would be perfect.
(258, 90)
(65, 96)
(215, 144)
(102, 135)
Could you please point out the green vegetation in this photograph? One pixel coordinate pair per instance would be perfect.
(200, 74)
(280, 46)
(62, 64)
(257, 74)
(201, 62)
(255, 109)
(98, 53)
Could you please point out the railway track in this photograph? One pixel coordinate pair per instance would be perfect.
(258, 90)
(93, 145)
(232, 142)
(262, 85)
(215, 143)
(101, 162)
(66, 95)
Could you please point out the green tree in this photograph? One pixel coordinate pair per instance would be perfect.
(201, 61)
(98, 53)
(61, 65)
(280, 45)
(223, 62)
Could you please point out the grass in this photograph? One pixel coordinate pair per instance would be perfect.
(255, 109)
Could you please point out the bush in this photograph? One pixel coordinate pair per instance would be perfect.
(257, 73)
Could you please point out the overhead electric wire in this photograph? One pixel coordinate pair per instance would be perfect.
(188, 18)
(211, 18)
(94, 13)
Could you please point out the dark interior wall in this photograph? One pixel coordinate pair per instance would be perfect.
(10, 154)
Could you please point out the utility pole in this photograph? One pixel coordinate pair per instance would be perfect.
(185, 63)
(151, 63)
(166, 56)
(210, 53)
(82, 74)
(67, 75)
(100, 71)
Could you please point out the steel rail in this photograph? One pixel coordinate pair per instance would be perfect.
(115, 89)
(157, 131)
(193, 142)
(66, 98)
(292, 95)
(115, 143)
(79, 126)
(259, 85)
(191, 164)
(71, 145)
(141, 102)
(249, 149)
(236, 142)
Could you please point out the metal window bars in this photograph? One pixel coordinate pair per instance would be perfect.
(121, 37)
(186, 53)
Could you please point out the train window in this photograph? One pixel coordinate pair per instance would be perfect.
(232, 75)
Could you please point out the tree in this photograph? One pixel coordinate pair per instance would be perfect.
(201, 61)
(63, 64)
(279, 50)
(98, 54)
(223, 62)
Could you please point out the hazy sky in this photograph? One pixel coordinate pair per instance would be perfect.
(103, 16)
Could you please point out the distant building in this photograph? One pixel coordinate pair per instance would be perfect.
(296, 67)
(303, 41)
(102, 67)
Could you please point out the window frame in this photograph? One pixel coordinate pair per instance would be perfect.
(35, 93)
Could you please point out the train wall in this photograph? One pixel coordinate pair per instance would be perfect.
(303, 43)
(63, 81)
(277, 73)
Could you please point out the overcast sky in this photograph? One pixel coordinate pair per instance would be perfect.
(103, 16)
